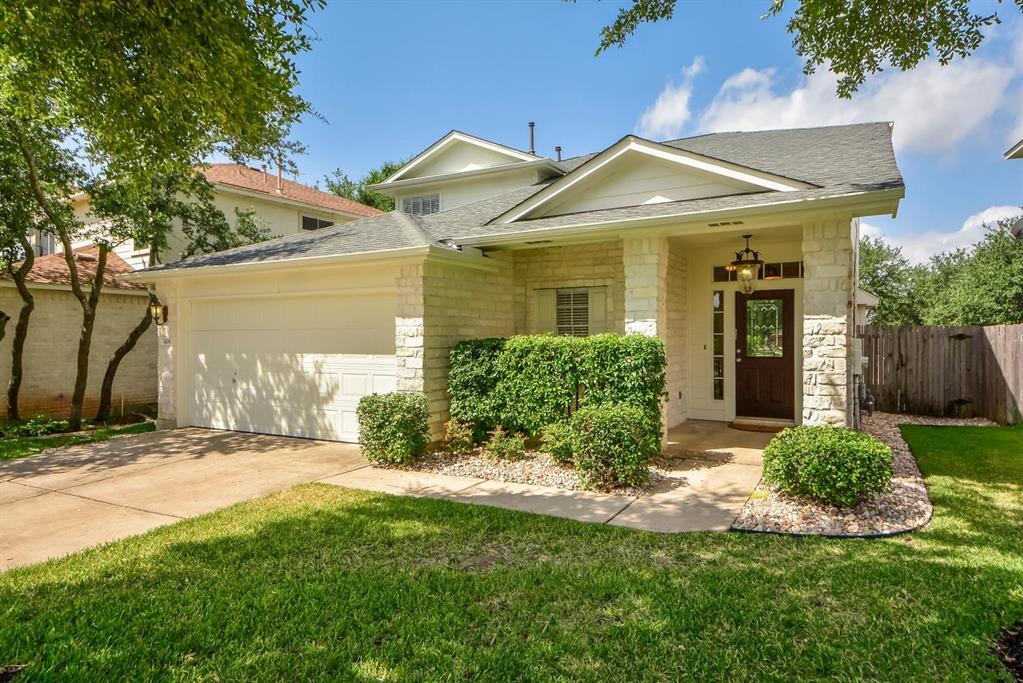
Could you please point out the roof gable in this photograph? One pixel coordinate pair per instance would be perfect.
(458, 152)
(634, 172)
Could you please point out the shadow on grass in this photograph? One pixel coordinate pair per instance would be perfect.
(320, 582)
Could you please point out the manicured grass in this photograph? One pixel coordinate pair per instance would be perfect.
(19, 448)
(321, 582)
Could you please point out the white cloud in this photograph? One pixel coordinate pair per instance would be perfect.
(933, 107)
(918, 247)
(665, 118)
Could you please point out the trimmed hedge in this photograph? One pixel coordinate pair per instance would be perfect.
(531, 381)
(472, 381)
(612, 445)
(538, 381)
(394, 427)
(832, 464)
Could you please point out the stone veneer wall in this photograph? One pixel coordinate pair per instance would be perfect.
(675, 343)
(456, 302)
(828, 281)
(583, 265)
(51, 348)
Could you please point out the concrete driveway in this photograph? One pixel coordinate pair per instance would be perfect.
(64, 500)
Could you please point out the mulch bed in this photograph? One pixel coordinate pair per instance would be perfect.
(903, 507)
(1009, 649)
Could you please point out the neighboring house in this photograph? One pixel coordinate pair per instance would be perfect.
(49, 361)
(285, 337)
(287, 207)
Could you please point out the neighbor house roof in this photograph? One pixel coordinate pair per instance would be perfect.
(833, 162)
(53, 270)
(264, 182)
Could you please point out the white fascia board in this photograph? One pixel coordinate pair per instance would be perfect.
(541, 163)
(633, 144)
(284, 199)
(281, 264)
(455, 136)
(1016, 151)
(876, 202)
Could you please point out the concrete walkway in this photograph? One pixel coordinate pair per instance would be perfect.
(714, 469)
(65, 500)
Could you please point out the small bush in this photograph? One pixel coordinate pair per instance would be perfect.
(472, 381)
(539, 381)
(505, 446)
(557, 442)
(458, 437)
(394, 427)
(36, 426)
(612, 445)
(831, 464)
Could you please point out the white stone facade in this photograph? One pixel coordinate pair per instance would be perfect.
(828, 289)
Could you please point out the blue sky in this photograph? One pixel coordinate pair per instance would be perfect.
(392, 77)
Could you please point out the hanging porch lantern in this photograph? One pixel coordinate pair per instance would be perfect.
(746, 265)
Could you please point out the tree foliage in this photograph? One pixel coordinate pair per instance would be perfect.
(340, 184)
(852, 38)
(979, 286)
(150, 85)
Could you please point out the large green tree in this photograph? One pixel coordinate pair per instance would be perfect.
(340, 184)
(852, 38)
(885, 272)
(146, 88)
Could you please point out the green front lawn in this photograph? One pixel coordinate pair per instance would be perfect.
(322, 582)
(19, 448)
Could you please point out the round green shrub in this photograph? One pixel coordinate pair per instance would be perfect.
(505, 446)
(538, 380)
(556, 441)
(394, 427)
(831, 464)
(612, 445)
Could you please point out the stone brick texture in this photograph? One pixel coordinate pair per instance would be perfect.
(52, 347)
(828, 282)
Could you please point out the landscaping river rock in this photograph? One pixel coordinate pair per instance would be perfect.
(903, 507)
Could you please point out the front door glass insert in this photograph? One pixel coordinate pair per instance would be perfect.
(765, 328)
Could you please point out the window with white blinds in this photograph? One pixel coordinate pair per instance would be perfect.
(422, 205)
(572, 311)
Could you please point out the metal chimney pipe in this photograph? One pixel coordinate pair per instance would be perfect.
(280, 175)
(532, 149)
(557, 150)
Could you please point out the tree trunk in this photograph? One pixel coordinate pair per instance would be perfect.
(28, 304)
(115, 361)
(4, 319)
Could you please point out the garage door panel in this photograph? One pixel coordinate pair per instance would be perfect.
(291, 366)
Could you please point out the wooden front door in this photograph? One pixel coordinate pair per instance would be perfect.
(765, 354)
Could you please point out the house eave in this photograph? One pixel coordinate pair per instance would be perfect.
(386, 188)
(871, 203)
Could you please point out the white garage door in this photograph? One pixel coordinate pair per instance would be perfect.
(294, 366)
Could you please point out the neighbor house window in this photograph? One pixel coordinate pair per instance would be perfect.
(46, 244)
(312, 223)
(422, 205)
(718, 348)
(572, 311)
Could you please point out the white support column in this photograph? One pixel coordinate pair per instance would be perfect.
(828, 279)
(169, 358)
(645, 260)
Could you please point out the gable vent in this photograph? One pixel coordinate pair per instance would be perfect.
(721, 223)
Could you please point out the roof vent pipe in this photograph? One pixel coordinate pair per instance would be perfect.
(280, 175)
(557, 151)
(264, 173)
(532, 149)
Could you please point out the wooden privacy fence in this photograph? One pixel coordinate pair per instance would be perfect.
(961, 371)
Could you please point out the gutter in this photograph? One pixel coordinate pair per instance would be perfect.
(470, 258)
(595, 227)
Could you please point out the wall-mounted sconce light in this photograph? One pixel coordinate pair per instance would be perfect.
(158, 311)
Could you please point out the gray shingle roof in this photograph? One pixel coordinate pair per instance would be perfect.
(837, 159)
